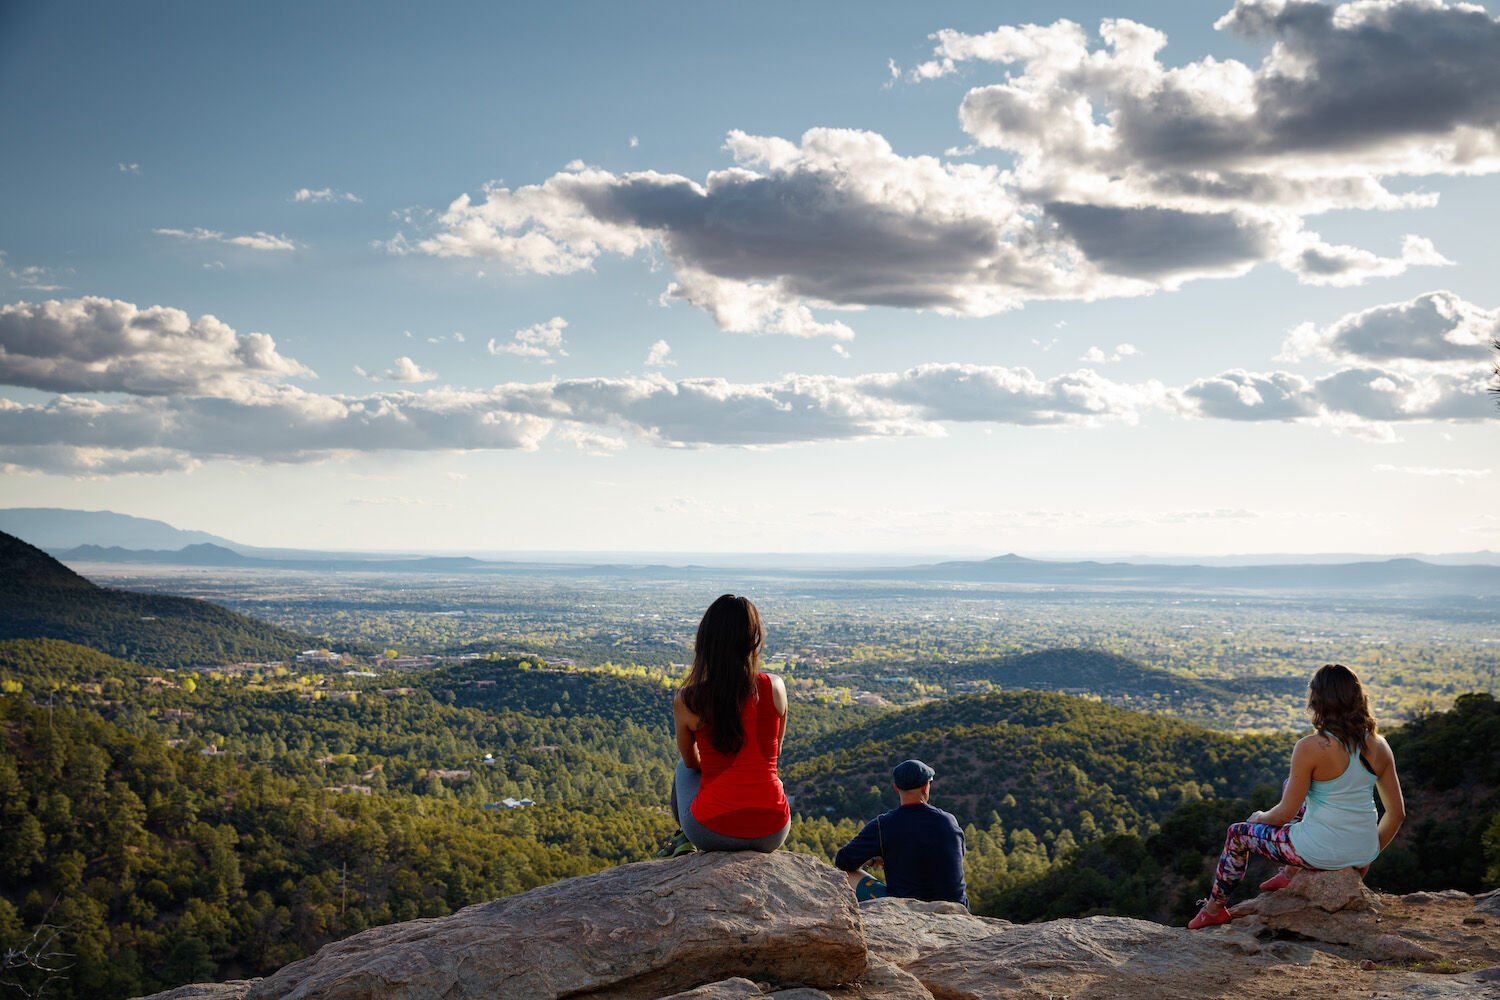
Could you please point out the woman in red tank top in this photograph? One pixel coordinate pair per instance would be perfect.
(730, 719)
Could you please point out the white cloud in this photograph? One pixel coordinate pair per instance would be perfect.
(635, 141)
(592, 442)
(659, 355)
(1345, 96)
(92, 463)
(1457, 475)
(95, 344)
(1318, 263)
(285, 424)
(324, 195)
(1352, 399)
(840, 221)
(1129, 176)
(253, 241)
(542, 341)
(198, 391)
(403, 369)
(276, 424)
(1433, 330)
(31, 277)
(1097, 356)
(129, 168)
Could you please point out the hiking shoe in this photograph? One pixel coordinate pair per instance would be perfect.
(1278, 881)
(675, 846)
(1206, 919)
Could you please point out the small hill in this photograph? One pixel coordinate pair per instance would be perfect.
(43, 599)
(1109, 676)
(201, 554)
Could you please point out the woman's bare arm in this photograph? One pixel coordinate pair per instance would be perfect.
(1388, 785)
(685, 722)
(1304, 757)
(779, 700)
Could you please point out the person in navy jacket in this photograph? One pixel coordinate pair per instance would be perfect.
(921, 846)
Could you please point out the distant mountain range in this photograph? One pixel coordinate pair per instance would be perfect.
(105, 537)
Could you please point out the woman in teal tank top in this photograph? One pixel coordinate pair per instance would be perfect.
(1326, 818)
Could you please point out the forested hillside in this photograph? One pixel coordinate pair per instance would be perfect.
(42, 598)
(1056, 763)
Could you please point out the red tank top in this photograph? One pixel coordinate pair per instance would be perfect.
(741, 795)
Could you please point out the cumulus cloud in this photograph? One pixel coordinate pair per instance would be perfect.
(542, 341)
(278, 423)
(32, 277)
(253, 241)
(282, 423)
(1436, 329)
(403, 369)
(1129, 176)
(323, 195)
(1346, 95)
(1317, 263)
(129, 168)
(96, 344)
(659, 355)
(1097, 355)
(1350, 398)
(840, 221)
(592, 442)
(92, 463)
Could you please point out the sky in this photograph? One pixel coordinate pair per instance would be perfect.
(1055, 277)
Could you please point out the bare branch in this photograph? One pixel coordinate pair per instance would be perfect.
(40, 960)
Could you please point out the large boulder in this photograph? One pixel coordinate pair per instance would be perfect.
(644, 930)
(903, 930)
(1334, 909)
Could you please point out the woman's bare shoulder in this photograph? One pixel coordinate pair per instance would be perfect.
(1376, 746)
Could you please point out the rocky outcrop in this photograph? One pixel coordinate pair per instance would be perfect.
(785, 927)
(638, 931)
(1335, 909)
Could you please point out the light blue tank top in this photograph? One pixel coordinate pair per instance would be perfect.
(1338, 829)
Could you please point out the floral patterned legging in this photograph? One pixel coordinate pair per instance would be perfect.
(1274, 842)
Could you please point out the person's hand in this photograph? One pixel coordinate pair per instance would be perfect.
(1256, 817)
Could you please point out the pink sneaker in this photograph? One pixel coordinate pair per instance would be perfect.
(1206, 919)
(1278, 881)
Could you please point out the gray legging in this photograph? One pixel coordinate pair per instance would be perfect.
(684, 790)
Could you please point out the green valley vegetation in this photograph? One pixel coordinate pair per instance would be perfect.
(188, 803)
(43, 598)
(177, 834)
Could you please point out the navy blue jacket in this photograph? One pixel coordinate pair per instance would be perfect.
(923, 848)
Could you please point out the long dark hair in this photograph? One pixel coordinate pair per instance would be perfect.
(726, 658)
(1339, 705)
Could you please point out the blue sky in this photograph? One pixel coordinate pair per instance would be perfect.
(835, 277)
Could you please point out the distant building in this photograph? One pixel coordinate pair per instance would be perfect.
(352, 789)
(509, 803)
(321, 657)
